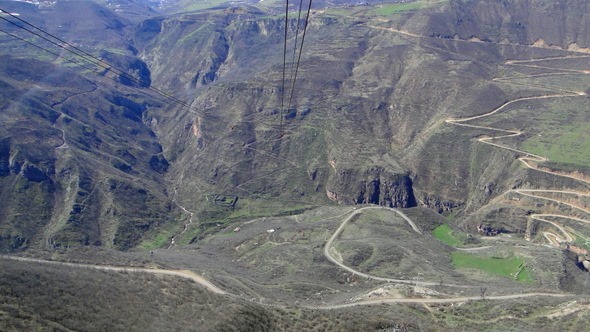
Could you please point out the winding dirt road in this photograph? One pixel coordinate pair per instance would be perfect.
(331, 258)
(528, 157)
(178, 273)
(530, 160)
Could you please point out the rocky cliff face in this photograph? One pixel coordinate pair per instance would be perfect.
(375, 186)
(4, 157)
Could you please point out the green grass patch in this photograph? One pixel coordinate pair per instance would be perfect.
(555, 128)
(345, 12)
(525, 276)
(266, 4)
(510, 267)
(200, 5)
(395, 8)
(159, 241)
(195, 35)
(445, 234)
(582, 242)
(567, 143)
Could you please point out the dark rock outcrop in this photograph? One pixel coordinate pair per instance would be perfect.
(33, 173)
(573, 277)
(148, 29)
(9, 243)
(374, 186)
(4, 158)
(159, 164)
(140, 74)
(435, 203)
(131, 70)
(219, 53)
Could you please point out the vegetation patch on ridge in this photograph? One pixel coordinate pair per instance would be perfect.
(448, 236)
(510, 267)
(563, 143)
(394, 8)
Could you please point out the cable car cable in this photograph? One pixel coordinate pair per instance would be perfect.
(284, 67)
(88, 57)
(300, 51)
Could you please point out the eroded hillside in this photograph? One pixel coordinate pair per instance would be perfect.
(79, 165)
(368, 122)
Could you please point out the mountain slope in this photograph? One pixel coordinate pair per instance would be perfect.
(368, 123)
(79, 165)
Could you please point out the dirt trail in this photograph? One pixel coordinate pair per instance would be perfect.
(441, 300)
(478, 41)
(178, 273)
(185, 227)
(511, 62)
(214, 289)
(525, 192)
